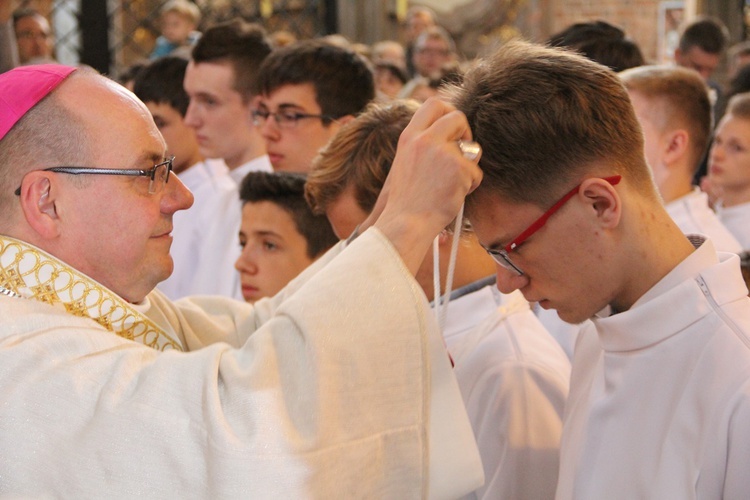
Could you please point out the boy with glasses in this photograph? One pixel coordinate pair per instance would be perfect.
(34, 37)
(307, 91)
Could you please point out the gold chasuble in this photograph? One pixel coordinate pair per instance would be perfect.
(31, 273)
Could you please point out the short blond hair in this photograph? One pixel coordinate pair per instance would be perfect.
(679, 98)
(739, 106)
(359, 155)
(187, 9)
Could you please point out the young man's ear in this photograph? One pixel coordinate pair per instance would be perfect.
(38, 203)
(604, 199)
(675, 146)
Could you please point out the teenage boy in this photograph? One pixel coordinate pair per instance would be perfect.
(674, 110)
(280, 236)
(219, 81)
(307, 92)
(659, 403)
(204, 235)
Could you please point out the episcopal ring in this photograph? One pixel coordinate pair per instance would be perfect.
(470, 149)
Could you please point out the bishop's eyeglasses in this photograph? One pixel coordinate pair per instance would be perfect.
(158, 175)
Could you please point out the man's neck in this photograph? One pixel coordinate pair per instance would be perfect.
(256, 148)
(644, 267)
(732, 197)
(675, 190)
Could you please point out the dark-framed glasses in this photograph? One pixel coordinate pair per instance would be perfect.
(286, 119)
(158, 175)
(502, 255)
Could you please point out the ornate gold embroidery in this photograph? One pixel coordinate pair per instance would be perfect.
(36, 275)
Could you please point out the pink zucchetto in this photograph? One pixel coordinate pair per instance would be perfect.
(22, 88)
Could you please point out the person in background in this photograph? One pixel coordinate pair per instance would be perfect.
(673, 108)
(729, 168)
(703, 42)
(203, 237)
(219, 80)
(512, 374)
(739, 57)
(307, 91)
(33, 36)
(418, 19)
(8, 45)
(127, 77)
(179, 22)
(602, 42)
(389, 80)
(434, 55)
(433, 50)
(389, 51)
(279, 235)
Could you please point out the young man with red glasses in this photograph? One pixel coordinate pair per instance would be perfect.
(660, 391)
(659, 404)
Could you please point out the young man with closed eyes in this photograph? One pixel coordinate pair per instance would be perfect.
(659, 403)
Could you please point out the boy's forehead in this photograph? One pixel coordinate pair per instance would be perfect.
(494, 218)
(292, 94)
(176, 16)
(208, 76)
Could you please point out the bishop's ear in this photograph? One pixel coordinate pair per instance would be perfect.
(38, 203)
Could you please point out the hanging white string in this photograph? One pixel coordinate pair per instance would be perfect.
(470, 150)
(440, 303)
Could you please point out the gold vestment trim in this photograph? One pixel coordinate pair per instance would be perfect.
(36, 275)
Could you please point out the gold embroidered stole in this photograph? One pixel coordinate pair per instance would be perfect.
(34, 274)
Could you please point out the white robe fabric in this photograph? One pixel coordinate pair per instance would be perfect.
(205, 242)
(693, 215)
(659, 405)
(737, 220)
(514, 380)
(564, 333)
(310, 394)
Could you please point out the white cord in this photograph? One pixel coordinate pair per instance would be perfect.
(471, 150)
(441, 303)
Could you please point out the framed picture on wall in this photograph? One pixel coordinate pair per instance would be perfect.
(671, 14)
